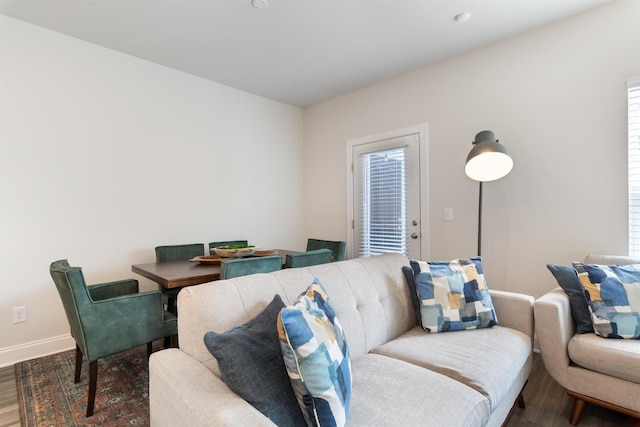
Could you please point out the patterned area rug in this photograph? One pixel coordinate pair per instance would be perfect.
(48, 396)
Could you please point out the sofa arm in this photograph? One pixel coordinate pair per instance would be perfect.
(514, 311)
(183, 392)
(555, 328)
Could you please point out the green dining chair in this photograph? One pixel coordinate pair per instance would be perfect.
(227, 243)
(305, 259)
(337, 247)
(179, 252)
(168, 253)
(235, 267)
(108, 318)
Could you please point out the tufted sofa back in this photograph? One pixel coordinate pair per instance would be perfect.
(370, 297)
(611, 259)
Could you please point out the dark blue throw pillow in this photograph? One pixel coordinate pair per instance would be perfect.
(251, 364)
(568, 280)
(409, 275)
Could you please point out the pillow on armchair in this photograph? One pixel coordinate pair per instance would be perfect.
(567, 278)
(613, 296)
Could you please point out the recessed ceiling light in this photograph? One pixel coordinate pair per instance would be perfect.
(260, 4)
(461, 17)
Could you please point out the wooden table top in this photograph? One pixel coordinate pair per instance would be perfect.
(177, 274)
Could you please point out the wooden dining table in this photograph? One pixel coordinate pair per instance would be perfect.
(178, 274)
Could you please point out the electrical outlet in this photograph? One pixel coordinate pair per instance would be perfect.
(20, 314)
(448, 214)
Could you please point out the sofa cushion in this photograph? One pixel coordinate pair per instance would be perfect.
(568, 280)
(487, 360)
(316, 357)
(615, 358)
(251, 365)
(390, 392)
(454, 295)
(613, 295)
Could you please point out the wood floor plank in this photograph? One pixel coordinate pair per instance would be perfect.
(549, 406)
(9, 406)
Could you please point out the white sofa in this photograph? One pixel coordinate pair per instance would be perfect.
(402, 376)
(596, 370)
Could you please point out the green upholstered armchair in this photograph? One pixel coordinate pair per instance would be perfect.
(108, 318)
(337, 247)
(305, 259)
(235, 267)
(227, 243)
(170, 253)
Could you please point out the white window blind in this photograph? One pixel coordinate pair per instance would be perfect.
(384, 203)
(634, 165)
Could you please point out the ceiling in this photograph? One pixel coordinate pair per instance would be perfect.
(299, 52)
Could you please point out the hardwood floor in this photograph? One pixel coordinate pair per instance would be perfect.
(547, 404)
(9, 407)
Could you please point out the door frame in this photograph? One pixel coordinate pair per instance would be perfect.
(423, 173)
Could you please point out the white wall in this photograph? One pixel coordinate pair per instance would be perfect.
(104, 156)
(556, 98)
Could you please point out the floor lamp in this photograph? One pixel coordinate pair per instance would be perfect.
(488, 160)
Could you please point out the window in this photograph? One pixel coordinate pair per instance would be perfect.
(384, 203)
(634, 165)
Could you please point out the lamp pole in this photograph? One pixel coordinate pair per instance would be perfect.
(480, 219)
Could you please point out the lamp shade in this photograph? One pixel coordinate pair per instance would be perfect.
(488, 160)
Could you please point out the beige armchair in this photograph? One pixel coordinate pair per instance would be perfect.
(596, 370)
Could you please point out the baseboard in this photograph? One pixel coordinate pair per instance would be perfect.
(12, 355)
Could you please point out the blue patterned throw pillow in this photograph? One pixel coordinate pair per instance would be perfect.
(613, 296)
(453, 295)
(316, 357)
